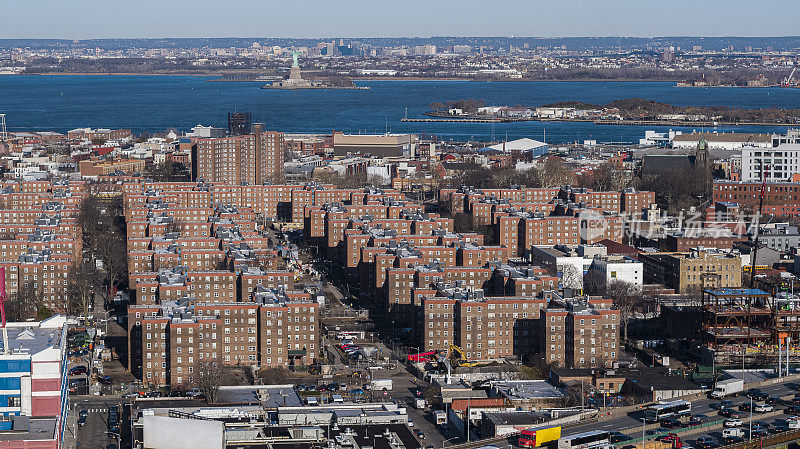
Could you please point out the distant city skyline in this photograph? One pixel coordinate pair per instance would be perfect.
(93, 19)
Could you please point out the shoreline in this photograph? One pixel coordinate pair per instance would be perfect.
(215, 76)
(362, 78)
(431, 118)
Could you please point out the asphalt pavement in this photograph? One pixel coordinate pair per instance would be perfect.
(631, 423)
(94, 434)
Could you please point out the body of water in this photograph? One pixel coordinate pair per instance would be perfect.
(154, 103)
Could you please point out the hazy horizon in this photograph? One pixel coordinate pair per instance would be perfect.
(355, 37)
(96, 19)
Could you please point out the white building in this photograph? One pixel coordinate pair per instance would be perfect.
(657, 138)
(568, 263)
(722, 141)
(522, 145)
(779, 163)
(608, 269)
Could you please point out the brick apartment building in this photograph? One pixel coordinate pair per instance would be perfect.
(484, 328)
(781, 199)
(99, 133)
(694, 270)
(579, 333)
(40, 238)
(252, 159)
(276, 328)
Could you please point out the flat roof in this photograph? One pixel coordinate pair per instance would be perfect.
(275, 395)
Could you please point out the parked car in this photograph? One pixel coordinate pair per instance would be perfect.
(78, 370)
(196, 392)
(83, 412)
(759, 432)
(763, 424)
(726, 412)
(763, 408)
(81, 421)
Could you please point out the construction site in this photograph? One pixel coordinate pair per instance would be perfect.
(750, 327)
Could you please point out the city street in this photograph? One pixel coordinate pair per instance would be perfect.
(631, 423)
(94, 434)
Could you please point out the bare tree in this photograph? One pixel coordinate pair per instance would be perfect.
(23, 304)
(553, 173)
(91, 221)
(83, 278)
(210, 375)
(273, 375)
(572, 276)
(626, 297)
(112, 251)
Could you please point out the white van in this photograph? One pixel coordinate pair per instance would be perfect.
(727, 433)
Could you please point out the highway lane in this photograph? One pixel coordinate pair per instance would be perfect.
(632, 422)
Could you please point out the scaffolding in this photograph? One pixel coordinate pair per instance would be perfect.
(745, 326)
(734, 319)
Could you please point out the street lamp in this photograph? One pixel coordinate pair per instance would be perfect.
(750, 436)
(644, 423)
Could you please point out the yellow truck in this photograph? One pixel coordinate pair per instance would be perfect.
(537, 436)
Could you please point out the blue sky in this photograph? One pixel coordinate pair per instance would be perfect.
(81, 19)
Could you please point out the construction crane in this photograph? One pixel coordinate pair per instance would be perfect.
(789, 81)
